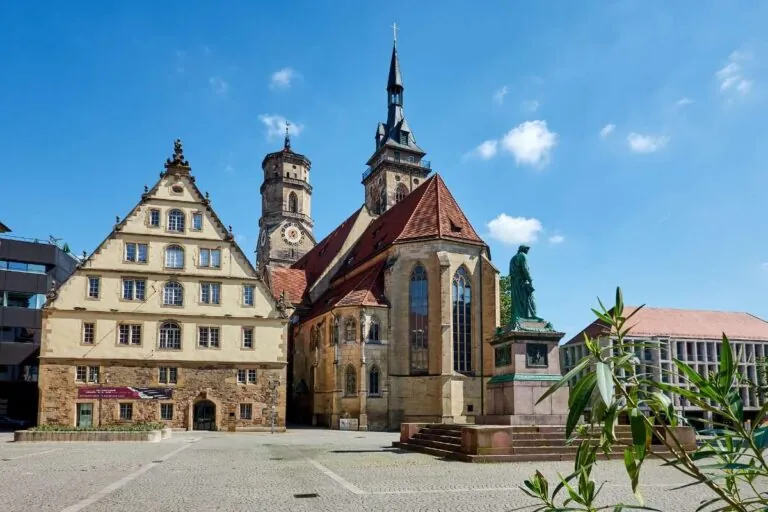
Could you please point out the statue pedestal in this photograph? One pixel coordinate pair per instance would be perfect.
(526, 364)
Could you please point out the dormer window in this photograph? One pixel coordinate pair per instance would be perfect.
(404, 138)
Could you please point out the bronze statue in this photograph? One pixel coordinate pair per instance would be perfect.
(521, 287)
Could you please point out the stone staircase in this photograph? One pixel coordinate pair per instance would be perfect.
(528, 443)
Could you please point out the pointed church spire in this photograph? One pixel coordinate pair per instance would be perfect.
(395, 79)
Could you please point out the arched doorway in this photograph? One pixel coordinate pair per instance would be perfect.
(204, 415)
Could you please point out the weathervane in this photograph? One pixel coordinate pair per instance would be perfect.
(394, 30)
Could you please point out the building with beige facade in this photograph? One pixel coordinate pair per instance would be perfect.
(396, 306)
(694, 337)
(166, 321)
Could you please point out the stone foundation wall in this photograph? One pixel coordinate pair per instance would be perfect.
(32, 436)
(214, 382)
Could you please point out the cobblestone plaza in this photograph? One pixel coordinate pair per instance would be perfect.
(264, 472)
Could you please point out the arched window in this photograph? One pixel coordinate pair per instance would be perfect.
(174, 257)
(173, 294)
(170, 336)
(350, 381)
(418, 319)
(462, 321)
(176, 221)
(335, 331)
(350, 330)
(373, 381)
(401, 192)
(293, 203)
(373, 331)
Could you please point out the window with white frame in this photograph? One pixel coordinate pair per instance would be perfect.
(94, 287)
(89, 333)
(173, 294)
(134, 289)
(154, 217)
(252, 376)
(87, 374)
(170, 336)
(248, 295)
(167, 375)
(197, 221)
(210, 258)
(174, 256)
(136, 252)
(129, 334)
(242, 375)
(247, 337)
(208, 337)
(126, 412)
(166, 412)
(246, 411)
(176, 221)
(210, 293)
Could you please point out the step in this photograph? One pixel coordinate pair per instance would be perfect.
(456, 434)
(537, 450)
(434, 444)
(437, 437)
(423, 449)
(447, 426)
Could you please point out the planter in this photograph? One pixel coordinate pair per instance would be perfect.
(52, 436)
(685, 435)
(166, 433)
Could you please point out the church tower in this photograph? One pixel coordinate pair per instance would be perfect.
(397, 165)
(285, 226)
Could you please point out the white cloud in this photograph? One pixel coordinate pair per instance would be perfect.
(530, 142)
(607, 130)
(514, 230)
(556, 239)
(486, 150)
(530, 105)
(275, 125)
(219, 85)
(640, 143)
(498, 96)
(683, 101)
(282, 78)
(731, 76)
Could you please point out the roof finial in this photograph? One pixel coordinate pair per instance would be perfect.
(177, 160)
(394, 31)
(287, 144)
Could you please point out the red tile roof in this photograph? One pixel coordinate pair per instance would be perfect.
(363, 289)
(687, 323)
(317, 260)
(292, 281)
(430, 211)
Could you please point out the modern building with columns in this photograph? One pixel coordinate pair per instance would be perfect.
(692, 336)
(396, 306)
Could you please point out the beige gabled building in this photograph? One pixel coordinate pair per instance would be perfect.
(167, 321)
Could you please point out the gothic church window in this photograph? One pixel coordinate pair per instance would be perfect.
(176, 221)
(462, 321)
(401, 192)
(335, 331)
(350, 331)
(373, 381)
(418, 320)
(373, 331)
(350, 381)
(173, 294)
(174, 257)
(293, 203)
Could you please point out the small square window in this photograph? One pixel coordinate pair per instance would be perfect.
(210, 258)
(134, 289)
(89, 333)
(136, 253)
(241, 376)
(167, 375)
(247, 337)
(129, 334)
(154, 217)
(197, 221)
(93, 374)
(246, 411)
(94, 287)
(208, 337)
(166, 412)
(252, 376)
(210, 293)
(248, 295)
(81, 373)
(126, 412)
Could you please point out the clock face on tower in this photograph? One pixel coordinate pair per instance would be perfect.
(292, 234)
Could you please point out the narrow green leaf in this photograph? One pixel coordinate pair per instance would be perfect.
(760, 437)
(634, 473)
(568, 376)
(577, 402)
(639, 433)
(726, 367)
(605, 382)
(619, 309)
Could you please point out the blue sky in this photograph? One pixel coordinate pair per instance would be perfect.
(630, 132)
